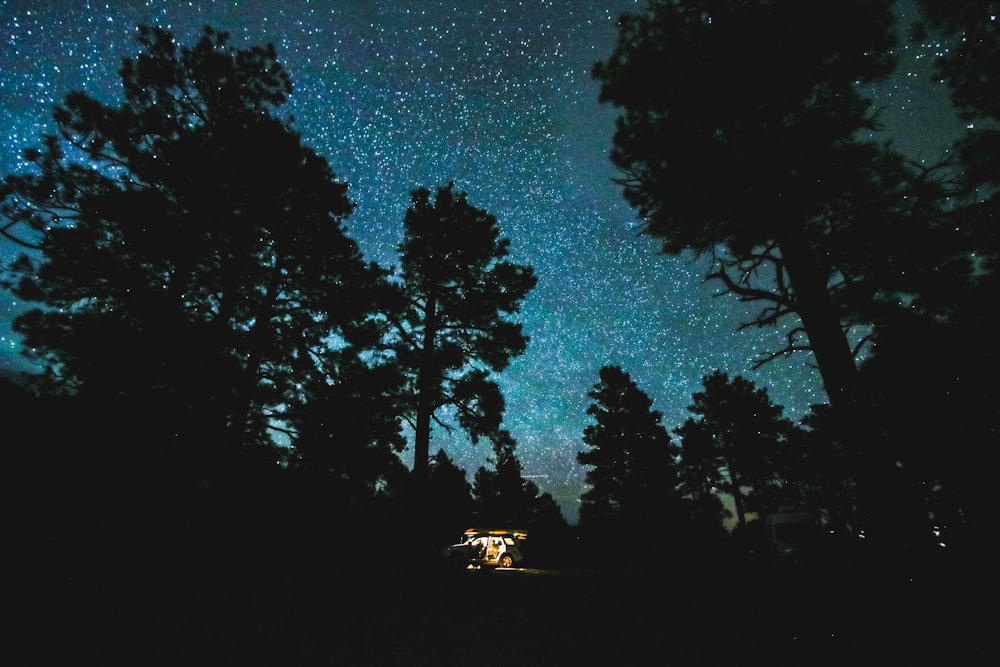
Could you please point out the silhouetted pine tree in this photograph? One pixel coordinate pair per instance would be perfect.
(739, 433)
(456, 331)
(749, 147)
(505, 499)
(834, 232)
(451, 506)
(192, 256)
(632, 476)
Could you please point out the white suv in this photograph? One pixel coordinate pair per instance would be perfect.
(489, 547)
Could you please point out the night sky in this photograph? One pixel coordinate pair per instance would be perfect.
(496, 96)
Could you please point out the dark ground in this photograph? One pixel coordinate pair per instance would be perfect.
(133, 610)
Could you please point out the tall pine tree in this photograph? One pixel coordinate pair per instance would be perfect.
(457, 330)
(194, 259)
(632, 476)
(738, 432)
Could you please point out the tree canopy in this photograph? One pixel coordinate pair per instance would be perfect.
(503, 497)
(757, 147)
(632, 473)
(736, 441)
(456, 330)
(748, 147)
(198, 302)
(194, 263)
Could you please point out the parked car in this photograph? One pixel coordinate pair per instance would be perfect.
(489, 547)
(794, 537)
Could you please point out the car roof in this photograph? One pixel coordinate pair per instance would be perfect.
(500, 532)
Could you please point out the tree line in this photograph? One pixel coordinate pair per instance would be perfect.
(744, 135)
(205, 317)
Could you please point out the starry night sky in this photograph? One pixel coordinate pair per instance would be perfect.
(497, 97)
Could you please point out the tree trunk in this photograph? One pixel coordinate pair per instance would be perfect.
(881, 490)
(734, 481)
(421, 440)
(426, 389)
(258, 335)
(819, 317)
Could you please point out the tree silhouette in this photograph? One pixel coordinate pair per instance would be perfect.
(194, 257)
(504, 498)
(968, 66)
(952, 390)
(632, 479)
(347, 430)
(456, 331)
(449, 499)
(823, 474)
(738, 432)
(754, 149)
(700, 478)
(746, 148)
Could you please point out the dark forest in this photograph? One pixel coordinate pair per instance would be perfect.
(228, 384)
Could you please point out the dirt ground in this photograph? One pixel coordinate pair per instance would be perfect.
(293, 613)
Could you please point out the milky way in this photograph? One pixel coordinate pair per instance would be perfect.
(497, 97)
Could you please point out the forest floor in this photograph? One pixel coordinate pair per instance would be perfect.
(237, 612)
